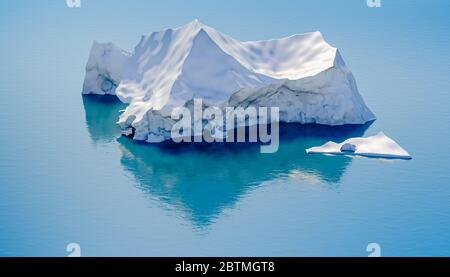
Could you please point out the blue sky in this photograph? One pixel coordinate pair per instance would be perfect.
(123, 21)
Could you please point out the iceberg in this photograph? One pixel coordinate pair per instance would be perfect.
(104, 69)
(301, 74)
(378, 146)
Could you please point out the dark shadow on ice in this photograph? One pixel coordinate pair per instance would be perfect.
(202, 179)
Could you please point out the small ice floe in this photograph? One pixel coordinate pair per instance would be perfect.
(378, 146)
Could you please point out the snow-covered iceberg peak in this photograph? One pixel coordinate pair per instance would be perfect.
(302, 75)
(378, 146)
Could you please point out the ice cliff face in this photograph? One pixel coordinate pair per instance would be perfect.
(302, 75)
(330, 97)
(104, 69)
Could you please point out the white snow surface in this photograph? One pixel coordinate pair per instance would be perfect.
(302, 75)
(378, 146)
(104, 69)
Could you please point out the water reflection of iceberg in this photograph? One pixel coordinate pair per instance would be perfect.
(204, 179)
(101, 116)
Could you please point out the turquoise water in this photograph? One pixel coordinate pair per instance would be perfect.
(66, 176)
